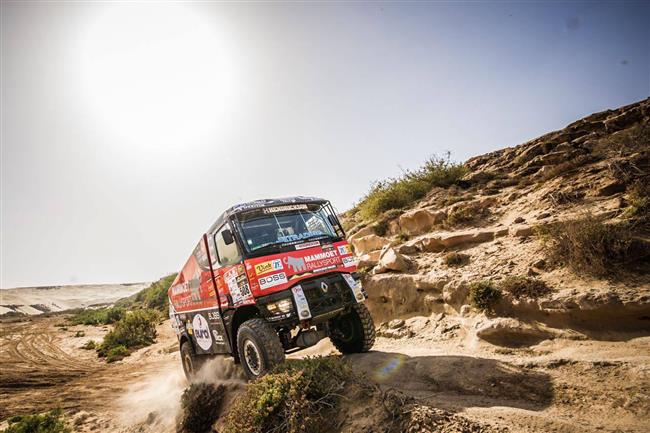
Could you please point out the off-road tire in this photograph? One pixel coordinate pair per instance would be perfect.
(267, 347)
(191, 362)
(362, 337)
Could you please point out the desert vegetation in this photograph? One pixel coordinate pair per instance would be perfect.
(400, 192)
(296, 397)
(153, 297)
(135, 330)
(591, 246)
(484, 295)
(520, 287)
(200, 405)
(49, 422)
(103, 316)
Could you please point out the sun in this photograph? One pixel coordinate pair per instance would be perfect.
(155, 76)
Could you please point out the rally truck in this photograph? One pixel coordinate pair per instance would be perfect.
(270, 277)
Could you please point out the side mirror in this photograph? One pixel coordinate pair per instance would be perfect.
(227, 237)
(332, 220)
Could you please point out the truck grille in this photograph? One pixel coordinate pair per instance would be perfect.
(323, 301)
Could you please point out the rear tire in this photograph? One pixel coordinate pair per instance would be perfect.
(353, 332)
(191, 362)
(259, 347)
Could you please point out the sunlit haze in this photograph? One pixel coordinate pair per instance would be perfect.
(128, 127)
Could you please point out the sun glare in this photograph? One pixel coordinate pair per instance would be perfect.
(155, 77)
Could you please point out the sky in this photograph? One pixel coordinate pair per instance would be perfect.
(127, 128)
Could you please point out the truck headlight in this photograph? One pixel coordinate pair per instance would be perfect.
(280, 307)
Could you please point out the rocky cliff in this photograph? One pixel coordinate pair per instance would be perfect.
(493, 227)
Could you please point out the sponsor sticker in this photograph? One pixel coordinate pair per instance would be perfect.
(180, 288)
(272, 280)
(307, 245)
(313, 262)
(237, 284)
(285, 208)
(344, 250)
(301, 302)
(349, 261)
(202, 332)
(270, 266)
(355, 287)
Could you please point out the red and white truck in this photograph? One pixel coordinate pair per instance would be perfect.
(268, 278)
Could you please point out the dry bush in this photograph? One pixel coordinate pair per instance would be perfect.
(455, 259)
(298, 396)
(558, 198)
(484, 295)
(524, 287)
(467, 213)
(638, 202)
(200, 405)
(569, 166)
(592, 247)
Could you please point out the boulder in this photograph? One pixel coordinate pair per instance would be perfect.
(455, 293)
(369, 260)
(410, 247)
(506, 331)
(365, 244)
(361, 233)
(430, 244)
(452, 240)
(391, 260)
(420, 221)
(520, 231)
(610, 188)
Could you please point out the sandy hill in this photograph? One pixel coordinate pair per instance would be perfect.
(557, 226)
(37, 300)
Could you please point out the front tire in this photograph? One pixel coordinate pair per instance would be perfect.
(192, 362)
(353, 332)
(259, 347)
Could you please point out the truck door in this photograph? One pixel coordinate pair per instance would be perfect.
(208, 327)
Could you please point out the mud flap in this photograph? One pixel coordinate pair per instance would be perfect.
(355, 287)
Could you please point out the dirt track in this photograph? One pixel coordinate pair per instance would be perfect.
(555, 386)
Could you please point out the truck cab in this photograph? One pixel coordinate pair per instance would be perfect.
(268, 278)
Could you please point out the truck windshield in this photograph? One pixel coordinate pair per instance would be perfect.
(284, 225)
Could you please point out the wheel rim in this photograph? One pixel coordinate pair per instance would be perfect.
(252, 357)
(345, 328)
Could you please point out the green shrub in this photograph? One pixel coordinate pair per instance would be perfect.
(90, 345)
(102, 316)
(381, 228)
(296, 397)
(592, 247)
(455, 259)
(403, 237)
(200, 404)
(153, 297)
(484, 295)
(136, 329)
(413, 185)
(524, 287)
(79, 334)
(116, 353)
(49, 422)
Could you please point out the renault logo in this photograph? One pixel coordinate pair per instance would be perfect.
(324, 287)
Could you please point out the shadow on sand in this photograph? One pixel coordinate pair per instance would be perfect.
(455, 382)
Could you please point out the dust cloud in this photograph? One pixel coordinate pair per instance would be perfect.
(156, 400)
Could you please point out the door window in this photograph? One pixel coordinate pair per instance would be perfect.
(227, 254)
